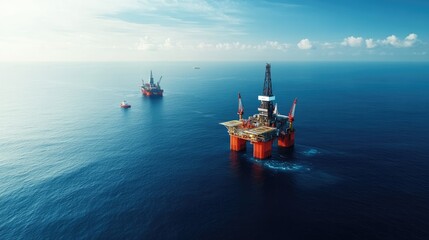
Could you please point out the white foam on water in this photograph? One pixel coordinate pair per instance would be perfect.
(281, 165)
(311, 152)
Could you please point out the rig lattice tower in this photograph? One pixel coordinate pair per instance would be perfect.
(267, 98)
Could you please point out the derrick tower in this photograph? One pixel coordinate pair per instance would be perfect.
(151, 78)
(266, 108)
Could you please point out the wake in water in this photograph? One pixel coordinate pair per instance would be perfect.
(282, 166)
(289, 160)
(299, 162)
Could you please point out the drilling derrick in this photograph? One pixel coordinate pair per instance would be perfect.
(266, 108)
(261, 129)
(151, 78)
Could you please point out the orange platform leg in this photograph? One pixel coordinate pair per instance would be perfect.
(262, 150)
(237, 144)
(287, 140)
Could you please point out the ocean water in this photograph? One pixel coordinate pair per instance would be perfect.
(74, 165)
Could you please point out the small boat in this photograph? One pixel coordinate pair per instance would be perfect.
(124, 104)
(196, 67)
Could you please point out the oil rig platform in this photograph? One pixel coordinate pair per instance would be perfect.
(152, 89)
(263, 128)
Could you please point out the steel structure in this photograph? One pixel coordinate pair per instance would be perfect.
(152, 89)
(263, 128)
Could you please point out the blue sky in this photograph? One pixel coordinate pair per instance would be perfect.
(144, 30)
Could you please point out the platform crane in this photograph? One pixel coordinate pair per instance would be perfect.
(291, 116)
(240, 111)
(159, 81)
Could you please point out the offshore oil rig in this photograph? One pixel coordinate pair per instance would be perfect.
(263, 128)
(152, 89)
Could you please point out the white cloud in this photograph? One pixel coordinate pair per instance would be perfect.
(277, 45)
(411, 37)
(370, 43)
(83, 30)
(243, 46)
(149, 44)
(410, 40)
(145, 44)
(394, 41)
(203, 45)
(352, 41)
(304, 44)
(167, 44)
(273, 45)
(50, 30)
(391, 40)
(225, 46)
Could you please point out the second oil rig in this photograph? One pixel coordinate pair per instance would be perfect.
(263, 128)
(152, 89)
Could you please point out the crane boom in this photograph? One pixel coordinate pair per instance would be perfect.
(276, 111)
(292, 110)
(240, 107)
(159, 81)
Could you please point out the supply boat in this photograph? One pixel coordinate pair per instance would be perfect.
(124, 104)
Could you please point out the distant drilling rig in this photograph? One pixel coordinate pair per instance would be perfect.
(261, 129)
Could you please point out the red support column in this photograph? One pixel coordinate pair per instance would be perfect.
(237, 144)
(287, 140)
(262, 150)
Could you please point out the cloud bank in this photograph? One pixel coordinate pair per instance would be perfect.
(306, 44)
(352, 41)
(370, 43)
(391, 40)
(50, 30)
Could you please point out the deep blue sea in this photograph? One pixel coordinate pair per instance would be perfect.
(73, 165)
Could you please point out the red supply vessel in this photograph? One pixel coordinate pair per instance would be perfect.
(124, 104)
